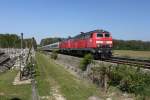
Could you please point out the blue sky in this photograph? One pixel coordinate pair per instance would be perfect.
(125, 19)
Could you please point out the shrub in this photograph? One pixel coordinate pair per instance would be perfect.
(130, 80)
(126, 78)
(115, 76)
(54, 54)
(88, 58)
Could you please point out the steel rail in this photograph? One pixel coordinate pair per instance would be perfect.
(129, 61)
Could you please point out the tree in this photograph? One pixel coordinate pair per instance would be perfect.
(14, 41)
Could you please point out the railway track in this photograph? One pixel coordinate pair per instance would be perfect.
(130, 61)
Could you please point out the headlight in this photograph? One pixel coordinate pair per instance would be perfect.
(99, 42)
(109, 42)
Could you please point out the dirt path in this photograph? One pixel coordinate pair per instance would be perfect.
(56, 94)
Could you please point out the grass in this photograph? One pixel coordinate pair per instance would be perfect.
(132, 54)
(51, 75)
(8, 91)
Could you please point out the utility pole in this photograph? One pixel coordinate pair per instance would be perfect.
(21, 56)
(21, 42)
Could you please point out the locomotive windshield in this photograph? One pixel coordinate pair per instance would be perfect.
(107, 35)
(99, 35)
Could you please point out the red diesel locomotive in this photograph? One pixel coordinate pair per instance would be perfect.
(98, 43)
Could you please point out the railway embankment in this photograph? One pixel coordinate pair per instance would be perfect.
(73, 64)
(127, 78)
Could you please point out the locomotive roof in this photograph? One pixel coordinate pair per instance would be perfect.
(98, 31)
(87, 33)
(90, 32)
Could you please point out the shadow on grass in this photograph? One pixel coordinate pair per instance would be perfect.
(15, 98)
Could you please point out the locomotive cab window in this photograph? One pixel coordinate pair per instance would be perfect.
(107, 35)
(82, 36)
(91, 35)
(99, 35)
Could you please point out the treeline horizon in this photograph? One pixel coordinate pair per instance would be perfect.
(131, 45)
(14, 41)
(117, 44)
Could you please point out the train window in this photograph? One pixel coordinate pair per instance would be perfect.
(99, 35)
(107, 35)
(83, 36)
(91, 35)
(86, 36)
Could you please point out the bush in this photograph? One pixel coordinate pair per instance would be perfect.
(54, 54)
(126, 78)
(130, 80)
(88, 58)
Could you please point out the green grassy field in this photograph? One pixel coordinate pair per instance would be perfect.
(8, 91)
(132, 54)
(51, 75)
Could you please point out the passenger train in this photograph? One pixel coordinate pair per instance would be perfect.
(98, 42)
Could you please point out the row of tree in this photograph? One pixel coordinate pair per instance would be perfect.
(117, 44)
(131, 45)
(14, 41)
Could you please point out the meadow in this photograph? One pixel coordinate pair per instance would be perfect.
(132, 54)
